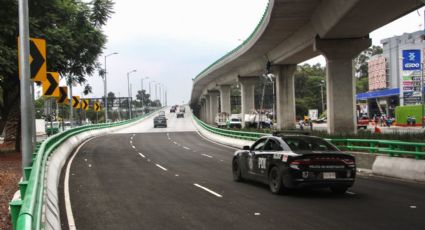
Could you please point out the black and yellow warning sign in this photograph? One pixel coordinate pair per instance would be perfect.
(96, 106)
(63, 95)
(85, 104)
(50, 85)
(76, 102)
(37, 59)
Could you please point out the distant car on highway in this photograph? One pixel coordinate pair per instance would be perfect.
(182, 109)
(286, 162)
(160, 121)
(173, 109)
(180, 114)
(161, 113)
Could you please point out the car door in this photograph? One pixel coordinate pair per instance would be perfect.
(265, 158)
(252, 160)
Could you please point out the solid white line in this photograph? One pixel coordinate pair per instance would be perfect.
(208, 190)
(207, 155)
(186, 148)
(68, 207)
(159, 166)
(350, 193)
(142, 155)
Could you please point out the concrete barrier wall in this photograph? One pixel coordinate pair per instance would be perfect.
(402, 168)
(51, 215)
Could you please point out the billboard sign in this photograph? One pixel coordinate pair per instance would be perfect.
(411, 59)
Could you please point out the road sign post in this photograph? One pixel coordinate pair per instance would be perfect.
(26, 101)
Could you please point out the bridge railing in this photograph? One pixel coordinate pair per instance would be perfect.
(390, 147)
(26, 213)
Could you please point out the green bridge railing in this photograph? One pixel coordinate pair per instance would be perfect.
(390, 147)
(26, 213)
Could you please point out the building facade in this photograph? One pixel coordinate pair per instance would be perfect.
(395, 76)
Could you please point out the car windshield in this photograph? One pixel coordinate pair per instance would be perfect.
(308, 144)
(235, 119)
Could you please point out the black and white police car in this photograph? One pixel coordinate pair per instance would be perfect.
(285, 162)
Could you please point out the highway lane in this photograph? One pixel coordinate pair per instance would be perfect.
(157, 179)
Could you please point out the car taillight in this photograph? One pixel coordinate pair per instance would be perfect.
(349, 162)
(296, 163)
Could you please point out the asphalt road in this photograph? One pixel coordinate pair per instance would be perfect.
(145, 178)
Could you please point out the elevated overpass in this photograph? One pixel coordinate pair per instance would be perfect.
(291, 32)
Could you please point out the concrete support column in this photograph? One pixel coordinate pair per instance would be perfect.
(285, 96)
(247, 96)
(213, 105)
(340, 81)
(207, 109)
(225, 99)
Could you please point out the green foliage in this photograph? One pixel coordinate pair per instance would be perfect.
(361, 61)
(362, 84)
(402, 112)
(74, 37)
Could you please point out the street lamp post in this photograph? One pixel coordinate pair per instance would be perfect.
(105, 88)
(321, 93)
(129, 95)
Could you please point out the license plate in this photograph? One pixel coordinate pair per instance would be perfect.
(329, 175)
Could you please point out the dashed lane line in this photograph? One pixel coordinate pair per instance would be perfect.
(205, 155)
(141, 154)
(186, 148)
(208, 190)
(159, 166)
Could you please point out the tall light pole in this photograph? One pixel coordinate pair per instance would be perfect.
(143, 78)
(321, 93)
(129, 95)
(26, 102)
(105, 91)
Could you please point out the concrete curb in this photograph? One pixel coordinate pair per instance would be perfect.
(55, 163)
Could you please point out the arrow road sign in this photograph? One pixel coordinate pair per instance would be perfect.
(50, 86)
(37, 59)
(76, 102)
(85, 104)
(96, 106)
(63, 95)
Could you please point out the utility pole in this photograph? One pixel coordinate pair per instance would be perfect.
(26, 101)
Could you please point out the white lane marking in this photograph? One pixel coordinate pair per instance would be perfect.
(133, 147)
(205, 155)
(141, 154)
(176, 175)
(208, 190)
(186, 148)
(412, 206)
(131, 142)
(257, 214)
(149, 160)
(222, 160)
(68, 207)
(350, 193)
(159, 166)
(175, 143)
(89, 165)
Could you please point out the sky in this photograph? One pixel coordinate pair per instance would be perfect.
(171, 41)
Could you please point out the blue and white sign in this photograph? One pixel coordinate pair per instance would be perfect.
(411, 59)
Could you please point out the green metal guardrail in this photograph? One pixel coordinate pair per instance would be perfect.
(390, 147)
(26, 213)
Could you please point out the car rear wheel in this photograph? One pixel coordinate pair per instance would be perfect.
(339, 189)
(275, 182)
(237, 173)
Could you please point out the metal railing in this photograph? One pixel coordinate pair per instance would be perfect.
(26, 213)
(390, 147)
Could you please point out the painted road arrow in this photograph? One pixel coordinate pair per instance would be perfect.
(63, 95)
(50, 86)
(76, 102)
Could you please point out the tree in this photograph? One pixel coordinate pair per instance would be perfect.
(142, 95)
(74, 37)
(361, 61)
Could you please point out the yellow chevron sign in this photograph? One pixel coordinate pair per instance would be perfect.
(76, 102)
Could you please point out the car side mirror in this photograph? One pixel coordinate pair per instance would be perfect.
(246, 147)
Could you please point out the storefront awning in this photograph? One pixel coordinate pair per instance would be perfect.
(378, 93)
